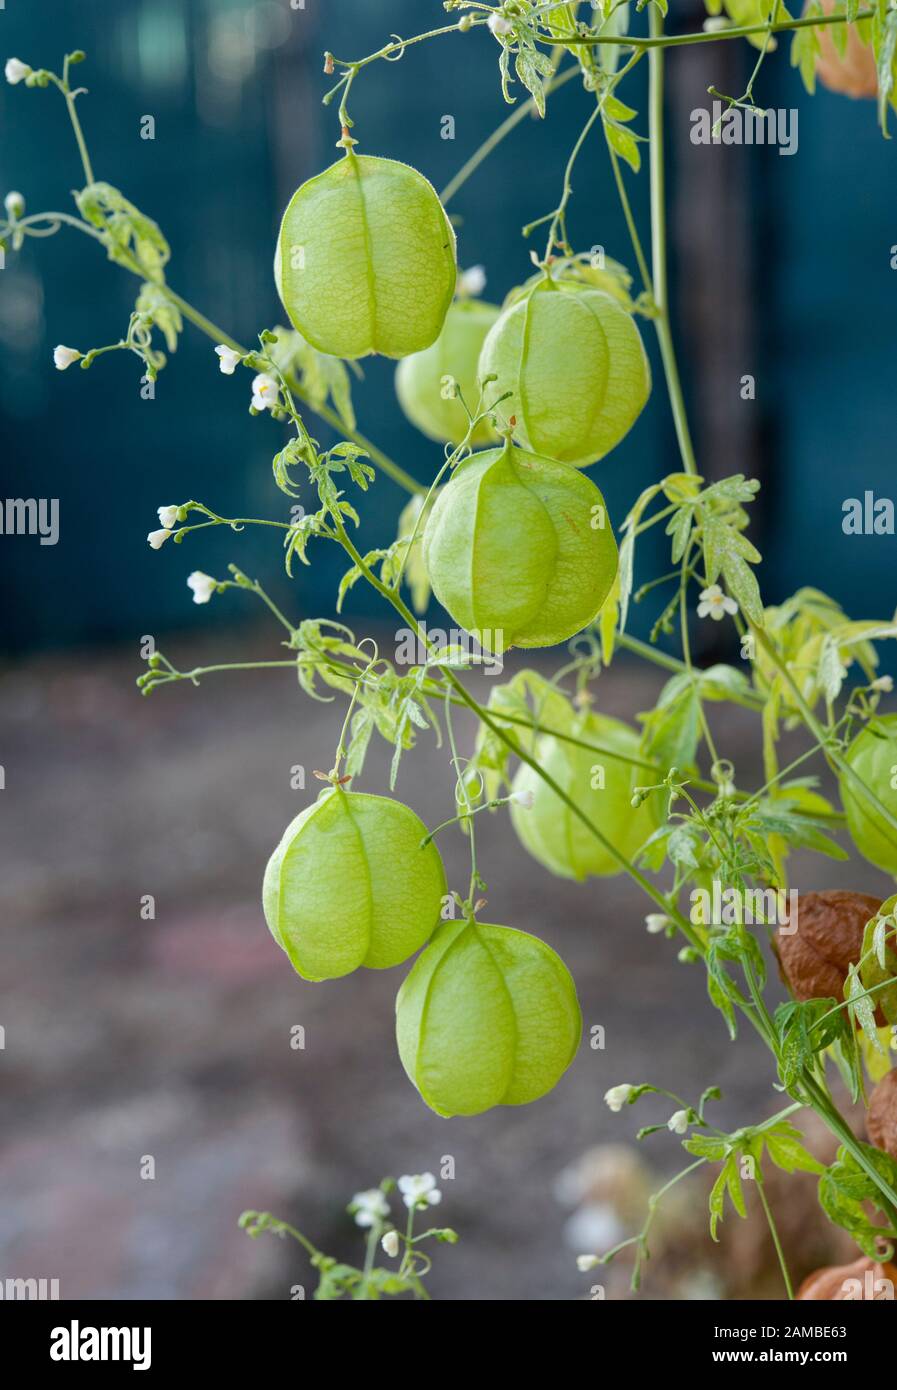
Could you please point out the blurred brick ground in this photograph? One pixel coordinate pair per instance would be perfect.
(171, 1038)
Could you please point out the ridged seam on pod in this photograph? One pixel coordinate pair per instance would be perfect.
(519, 549)
(575, 365)
(350, 885)
(601, 785)
(487, 1016)
(422, 379)
(365, 259)
(873, 755)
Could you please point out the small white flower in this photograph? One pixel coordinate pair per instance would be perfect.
(264, 392)
(158, 538)
(678, 1123)
(656, 922)
(390, 1244)
(227, 359)
(884, 683)
(16, 71)
(617, 1097)
(526, 798)
(369, 1207)
(168, 516)
(586, 1262)
(472, 281)
(63, 357)
(419, 1190)
(203, 586)
(715, 604)
(499, 25)
(14, 204)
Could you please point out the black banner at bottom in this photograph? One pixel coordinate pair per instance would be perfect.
(159, 1338)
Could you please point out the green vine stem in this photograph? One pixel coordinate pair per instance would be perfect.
(659, 244)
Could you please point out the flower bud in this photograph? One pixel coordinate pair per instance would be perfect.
(203, 586)
(618, 1096)
(15, 205)
(390, 1244)
(16, 71)
(63, 357)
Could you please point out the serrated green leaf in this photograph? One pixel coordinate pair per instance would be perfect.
(624, 143)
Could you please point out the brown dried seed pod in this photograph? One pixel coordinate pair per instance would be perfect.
(881, 1117)
(854, 72)
(864, 1279)
(815, 958)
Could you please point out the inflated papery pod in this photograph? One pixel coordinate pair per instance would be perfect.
(816, 951)
(601, 784)
(519, 549)
(351, 884)
(488, 1016)
(426, 381)
(576, 369)
(365, 259)
(873, 757)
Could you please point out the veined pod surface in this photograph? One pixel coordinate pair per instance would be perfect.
(488, 1016)
(519, 549)
(600, 784)
(350, 885)
(575, 365)
(873, 756)
(365, 259)
(424, 380)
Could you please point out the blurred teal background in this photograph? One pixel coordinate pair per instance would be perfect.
(781, 271)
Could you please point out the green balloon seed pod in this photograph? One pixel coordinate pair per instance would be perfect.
(873, 755)
(519, 549)
(601, 785)
(424, 381)
(576, 368)
(350, 885)
(488, 1016)
(365, 259)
